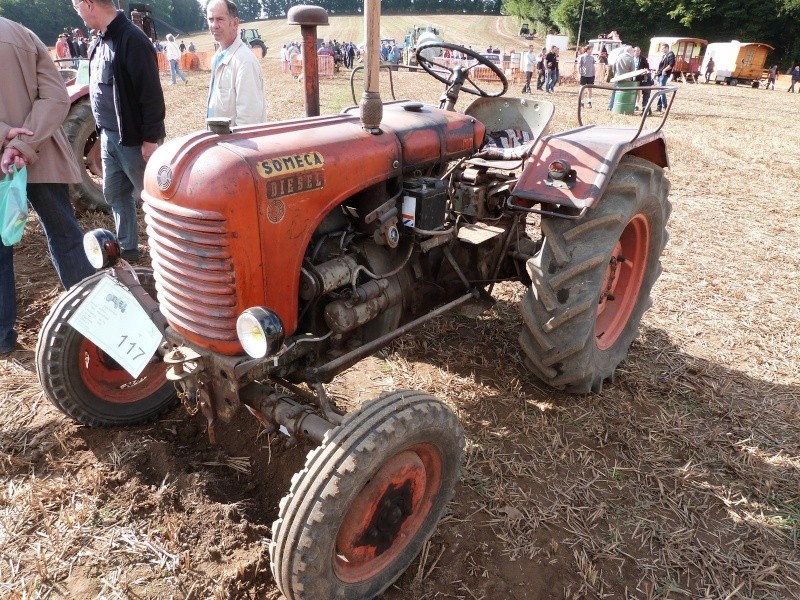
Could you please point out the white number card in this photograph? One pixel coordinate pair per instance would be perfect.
(113, 319)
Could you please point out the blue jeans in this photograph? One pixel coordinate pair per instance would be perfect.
(550, 84)
(662, 98)
(65, 242)
(123, 181)
(175, 69)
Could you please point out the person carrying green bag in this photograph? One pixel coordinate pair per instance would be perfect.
(13, 205)
(35, 103)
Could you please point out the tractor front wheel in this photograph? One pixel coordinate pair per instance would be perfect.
(86, 383)
(591, 281)
(367, 500)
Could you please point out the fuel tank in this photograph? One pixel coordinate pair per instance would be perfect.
(229, 217)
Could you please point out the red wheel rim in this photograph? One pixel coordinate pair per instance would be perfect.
(387, 514)
(622, 282)
(104, 378)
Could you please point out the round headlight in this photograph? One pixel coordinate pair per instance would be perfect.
(101, 248)
(260, 332)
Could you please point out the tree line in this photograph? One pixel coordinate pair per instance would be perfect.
(774, 22)
(48, 18)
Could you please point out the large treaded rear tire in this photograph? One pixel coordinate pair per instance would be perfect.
(367, 500)
(84, 382)
(260, 46)
(584, 306)
(82, 135)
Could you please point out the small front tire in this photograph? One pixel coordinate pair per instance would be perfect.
(367, 500)
(84, 382)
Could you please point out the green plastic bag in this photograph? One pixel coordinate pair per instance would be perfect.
(13, 206)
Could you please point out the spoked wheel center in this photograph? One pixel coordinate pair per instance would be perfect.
(387, 513)
(622, 282)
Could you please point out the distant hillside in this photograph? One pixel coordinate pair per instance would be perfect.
(478, 31)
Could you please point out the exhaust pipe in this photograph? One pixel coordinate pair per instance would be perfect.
(309, 17)
(371, 107)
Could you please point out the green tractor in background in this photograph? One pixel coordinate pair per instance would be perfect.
(252, 38)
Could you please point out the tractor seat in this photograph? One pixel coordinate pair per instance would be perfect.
(513, 126)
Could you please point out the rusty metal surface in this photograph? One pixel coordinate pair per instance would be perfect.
(307, 14)
(225, 243)
(427, 134)
(310, 69)
(594, 153)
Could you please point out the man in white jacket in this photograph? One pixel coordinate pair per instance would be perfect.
(174, 58)
(237, 84)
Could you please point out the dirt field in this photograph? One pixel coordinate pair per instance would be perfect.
(680, 480)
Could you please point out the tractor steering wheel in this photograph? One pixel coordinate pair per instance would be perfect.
(458, 75)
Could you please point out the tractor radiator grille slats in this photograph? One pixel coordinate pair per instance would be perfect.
(193, 267)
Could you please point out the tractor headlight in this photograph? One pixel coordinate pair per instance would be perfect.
(101, 248)
(260, 331)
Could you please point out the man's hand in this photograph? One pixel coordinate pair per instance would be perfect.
(15, 131)
(12, 156)
(12, 133)
(147, 150)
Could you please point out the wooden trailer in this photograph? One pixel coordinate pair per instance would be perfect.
(736, 62)
(688, 55)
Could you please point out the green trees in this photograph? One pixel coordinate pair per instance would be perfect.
(776, 22)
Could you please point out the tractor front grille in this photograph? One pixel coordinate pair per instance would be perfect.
(194, 272)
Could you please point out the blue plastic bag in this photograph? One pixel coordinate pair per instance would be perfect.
(13, 206)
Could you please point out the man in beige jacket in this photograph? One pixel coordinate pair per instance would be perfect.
(34, 105)
(237, 84)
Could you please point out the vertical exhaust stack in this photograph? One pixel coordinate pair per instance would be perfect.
(309, 17)
(371, 105)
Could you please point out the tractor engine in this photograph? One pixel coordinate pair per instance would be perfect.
(342, 234)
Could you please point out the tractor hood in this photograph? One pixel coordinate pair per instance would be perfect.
(229, 216)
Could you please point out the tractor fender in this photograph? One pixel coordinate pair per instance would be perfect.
(593, 153)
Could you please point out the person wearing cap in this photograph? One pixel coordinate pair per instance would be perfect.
(174, 56)
(62, 47)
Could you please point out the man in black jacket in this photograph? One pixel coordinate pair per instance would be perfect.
(128, 105)
(551, 65)
(664, 72)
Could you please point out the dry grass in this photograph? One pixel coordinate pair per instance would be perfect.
(681, 480)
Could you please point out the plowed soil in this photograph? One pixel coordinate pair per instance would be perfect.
(680, 480)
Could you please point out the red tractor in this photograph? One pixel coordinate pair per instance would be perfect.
(276, 265)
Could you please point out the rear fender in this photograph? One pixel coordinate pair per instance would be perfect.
(593, 153)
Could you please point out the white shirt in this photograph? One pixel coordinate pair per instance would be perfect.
(173, 52)
(237, 86)
(529, 60)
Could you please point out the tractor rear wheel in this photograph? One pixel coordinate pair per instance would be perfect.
(82, 134)
(87, 384)
(367, 500)
(259, 47)
(592, 280)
